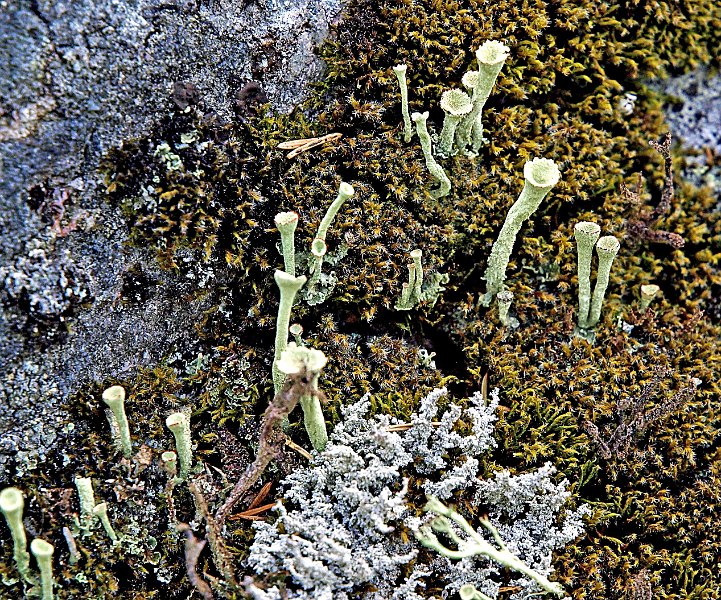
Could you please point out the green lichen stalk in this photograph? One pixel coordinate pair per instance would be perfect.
(433, 167)
(286, 222)
(179, 424)
(648, 293)
(540, 174)
(318, 247)
(114, 398)
(84, 485)
(476, 544)
(345, 192)
(505, 299)
(101, 511)
(587, 235)
(400, 72)
(289, 286)
(491, 57)
(416, 256)
(607, 248)
(455, 104)
(469, 592)
(412, 292)
(11, 505)
(43, 553)
(318, 250)
(297, 360)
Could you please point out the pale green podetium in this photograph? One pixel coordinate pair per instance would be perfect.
(648, 293)
(345, 192)
(318, 250)
(433, 167)
(491, 57)
(607, 249)
(469, 80)
(179, 424)
(296, 330)
(586, 234)
(400, 71)
(289, 286)
(169, 462)
(540, 174)
(101, 511)
(297, 360)
(469, 592)
(11, 505)
(455, 104)
(286, 222)
(43, 553)
(449, 522)
(504, 299)
(416, 256)
(411, 293)
(114, 398)
(318, 247)
(84, 485)
(405, 302)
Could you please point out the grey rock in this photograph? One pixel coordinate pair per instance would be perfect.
(78, 77)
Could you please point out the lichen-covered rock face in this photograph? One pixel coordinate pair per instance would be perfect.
(82, 77)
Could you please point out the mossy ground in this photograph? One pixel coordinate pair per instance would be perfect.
(211, 195)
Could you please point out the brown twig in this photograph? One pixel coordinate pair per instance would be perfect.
(299, 449)
(407, 426)
(641, 225)
(221, 557)
(271, 440)
(193, 548)
(635, 419)
(303, 145)
(262, 494)
(252, 514)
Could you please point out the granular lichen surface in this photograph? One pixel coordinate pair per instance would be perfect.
(203, 191)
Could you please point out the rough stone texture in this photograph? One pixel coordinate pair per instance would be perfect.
(84, 75)
(693, 113)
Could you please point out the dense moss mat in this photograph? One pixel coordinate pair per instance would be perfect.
(203, 193)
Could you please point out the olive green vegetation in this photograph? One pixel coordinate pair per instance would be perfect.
(215, 188)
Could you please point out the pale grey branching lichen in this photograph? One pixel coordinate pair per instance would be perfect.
(337, 531)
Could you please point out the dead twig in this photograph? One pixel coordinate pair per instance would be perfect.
(642, 223)
(407, 426)
(193, 548)
(252, 514)
(221, 558)
(303, 145)
(271, 439)
(299, 449)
